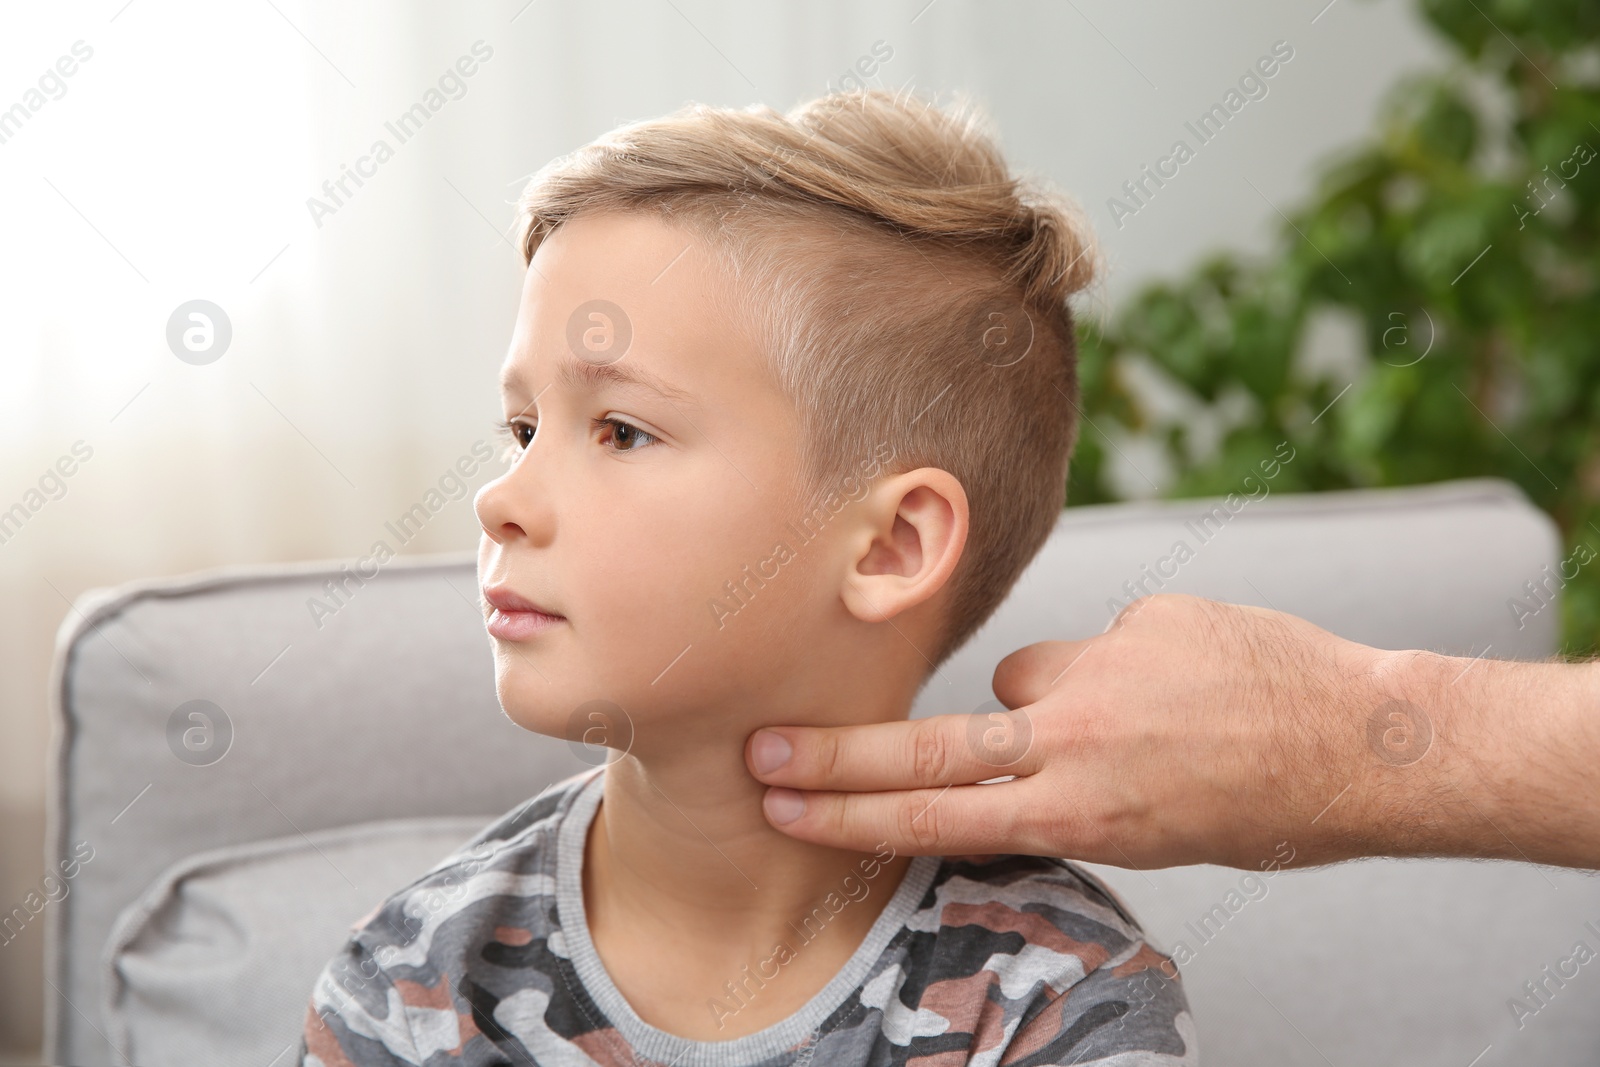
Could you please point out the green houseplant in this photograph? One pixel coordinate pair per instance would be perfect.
(1463, 238)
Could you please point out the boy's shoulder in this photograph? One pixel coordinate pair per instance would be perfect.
(512, 853)
(1043, 900)
(1051, 952)
(530, 818)
(490, 900)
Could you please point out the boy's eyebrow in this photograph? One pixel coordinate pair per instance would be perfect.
(579, 373)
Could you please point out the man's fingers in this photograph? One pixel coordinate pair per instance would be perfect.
(905, 754)
(957, 820)
(1027, 674)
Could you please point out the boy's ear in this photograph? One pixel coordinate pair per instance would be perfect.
(913, 527)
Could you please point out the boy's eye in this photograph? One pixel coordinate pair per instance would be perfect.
(626, 434)
(511, 433)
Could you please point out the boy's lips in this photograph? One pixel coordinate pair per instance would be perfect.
(515, 617)
(507, 600)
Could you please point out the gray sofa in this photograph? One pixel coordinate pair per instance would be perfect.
(240, 774)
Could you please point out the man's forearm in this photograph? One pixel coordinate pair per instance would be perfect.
(1511, 770)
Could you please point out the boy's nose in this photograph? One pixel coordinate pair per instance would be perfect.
(506, 509)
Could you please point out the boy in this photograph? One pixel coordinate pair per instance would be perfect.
(789, 406)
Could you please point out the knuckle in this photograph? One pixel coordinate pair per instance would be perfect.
(1039, 828)
(919, 823)
(1019, 823)
(930, 754)
(1058, 836)
(838, 820)
(1151, 607)
(1128, 612)
(830, 756)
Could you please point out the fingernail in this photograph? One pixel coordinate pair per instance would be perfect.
(784, 805)
(769, 751)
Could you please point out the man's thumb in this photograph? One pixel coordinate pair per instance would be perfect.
(1027, 674)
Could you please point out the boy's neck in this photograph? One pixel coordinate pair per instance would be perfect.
(680, 850)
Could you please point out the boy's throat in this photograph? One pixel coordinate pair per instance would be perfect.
(693, 946)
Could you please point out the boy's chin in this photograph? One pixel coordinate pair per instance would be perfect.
(597, 730)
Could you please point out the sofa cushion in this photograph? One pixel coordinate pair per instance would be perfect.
(215, 961)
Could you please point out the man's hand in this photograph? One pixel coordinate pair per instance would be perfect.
(1193, 731)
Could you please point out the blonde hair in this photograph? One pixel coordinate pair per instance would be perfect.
(904, 287)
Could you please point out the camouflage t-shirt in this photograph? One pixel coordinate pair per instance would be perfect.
(1004, 960)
